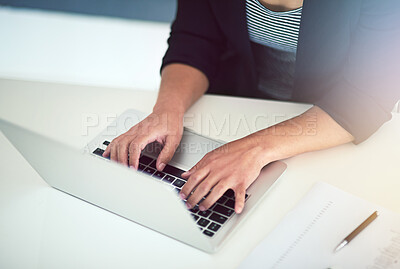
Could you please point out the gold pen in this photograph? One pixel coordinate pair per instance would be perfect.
(357, 231)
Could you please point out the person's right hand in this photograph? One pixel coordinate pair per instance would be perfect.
(165, 127)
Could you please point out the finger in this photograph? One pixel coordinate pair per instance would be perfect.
(106, 153)
(135, 149)
(123, 152)
(186, 174)
(193, 181)
(240, 195)
(202, 190)
(216, 193)
(168, 151)
(192, 170)
(114, 151)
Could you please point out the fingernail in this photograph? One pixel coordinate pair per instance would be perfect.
(161, 166)
(188, 206)
(182, 195)
(186, 174)
(202, 208)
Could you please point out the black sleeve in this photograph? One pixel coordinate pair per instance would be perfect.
(363, 98)
(195, 37)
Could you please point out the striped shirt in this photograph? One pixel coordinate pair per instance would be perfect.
(279, 30)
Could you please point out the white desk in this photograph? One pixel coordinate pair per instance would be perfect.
(43, 228)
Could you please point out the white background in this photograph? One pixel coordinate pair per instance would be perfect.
(80, 49)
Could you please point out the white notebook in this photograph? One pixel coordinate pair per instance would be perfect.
(307, 236)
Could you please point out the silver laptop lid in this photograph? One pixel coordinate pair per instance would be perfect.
(108, 185)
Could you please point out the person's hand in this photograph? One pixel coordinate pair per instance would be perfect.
(165, 127)
(234, 165)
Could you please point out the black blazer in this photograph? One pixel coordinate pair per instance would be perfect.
(347, 57)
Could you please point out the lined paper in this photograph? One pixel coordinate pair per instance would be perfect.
(308, 235)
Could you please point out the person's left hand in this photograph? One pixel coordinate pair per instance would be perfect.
(234, 165)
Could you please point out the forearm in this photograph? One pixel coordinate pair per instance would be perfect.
(311, 131)
(181, 86)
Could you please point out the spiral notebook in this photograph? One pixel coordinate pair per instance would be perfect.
(308, 235)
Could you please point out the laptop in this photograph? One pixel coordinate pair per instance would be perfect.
(147, 196)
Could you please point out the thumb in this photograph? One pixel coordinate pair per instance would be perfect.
(168, 151)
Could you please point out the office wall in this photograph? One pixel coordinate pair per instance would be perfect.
(150, 10)
(81, 49)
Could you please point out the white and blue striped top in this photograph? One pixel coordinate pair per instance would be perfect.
(279, 30)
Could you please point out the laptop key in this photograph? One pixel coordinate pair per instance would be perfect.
(208, 233)
(178, 183)
(158, 175)
(212, 207)
(153, 164)
(173, 170)
(224, 210)
(141, 167)
(194, 209)
(218, 218)
(214, 227)
(222, 199)
(149, 171)
(98, 152)
(203, 222)
(145, 160)
(204, 213)
(229, 193)
(168, 179)
(106, 143)
(230, 203)
(195, 217)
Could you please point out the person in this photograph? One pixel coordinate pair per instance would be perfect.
(341, 56)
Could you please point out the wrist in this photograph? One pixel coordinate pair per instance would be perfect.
(169, 108)
(266, 148)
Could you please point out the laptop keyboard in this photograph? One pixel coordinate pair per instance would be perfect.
(209, 221)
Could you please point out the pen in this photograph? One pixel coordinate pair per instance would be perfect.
(357, 231)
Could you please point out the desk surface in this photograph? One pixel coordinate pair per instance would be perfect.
(43, 228)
